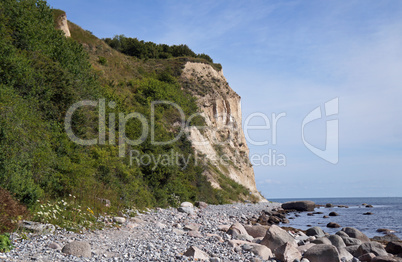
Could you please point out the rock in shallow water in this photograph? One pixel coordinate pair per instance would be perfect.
(304, 205)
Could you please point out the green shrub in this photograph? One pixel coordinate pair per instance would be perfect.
(102, 60)
(5, 243)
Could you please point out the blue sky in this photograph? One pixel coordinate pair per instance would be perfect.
(291, 57)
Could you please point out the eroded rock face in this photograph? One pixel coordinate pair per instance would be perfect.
(221, 108)
(62, 25)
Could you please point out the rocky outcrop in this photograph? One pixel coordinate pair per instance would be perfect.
(222, 142)
(61, 24)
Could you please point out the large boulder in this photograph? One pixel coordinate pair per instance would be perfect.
(394, 248)
(305, 247)
(344, 254)
(355, 233)
(304, 205)
(322, 253)
(237, 229)
(337, 241)
(371, 247)
(262, 251)
(77, 248)
(256, 231)
(384, 259)
(322, 240)
(186, 207)
(276, 237)
(353, 250)
(287, 253)
(315, 231)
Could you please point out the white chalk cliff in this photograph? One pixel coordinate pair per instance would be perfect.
(61, 24)
(222, 142)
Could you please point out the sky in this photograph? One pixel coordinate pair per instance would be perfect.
(331, 69)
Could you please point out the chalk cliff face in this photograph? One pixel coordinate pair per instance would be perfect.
(62, 25)
(222, 142)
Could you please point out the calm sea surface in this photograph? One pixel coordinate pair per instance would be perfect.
(387, 213)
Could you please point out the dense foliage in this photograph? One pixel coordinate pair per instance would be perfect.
(42, 73)
(149, 50)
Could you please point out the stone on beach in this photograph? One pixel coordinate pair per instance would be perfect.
(77, 248)
(262, 251)
(371, 247)
(315, 231)
(322, 253)
(119, 220)
(355, 233)
(287, 253)
(276, 237)
(196, 253)
(38, 228)
(256, 231)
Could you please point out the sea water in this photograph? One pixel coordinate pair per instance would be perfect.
(387, 213)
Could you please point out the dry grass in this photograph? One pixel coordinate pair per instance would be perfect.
(10, 211)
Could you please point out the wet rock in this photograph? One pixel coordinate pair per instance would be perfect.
(394, 248)
(333, 214)
(385, 230)
(333, 225)
(387, 238)
(299, 205)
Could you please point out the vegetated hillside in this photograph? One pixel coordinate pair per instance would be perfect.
(43, 73)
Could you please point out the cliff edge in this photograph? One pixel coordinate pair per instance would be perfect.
(221, 143)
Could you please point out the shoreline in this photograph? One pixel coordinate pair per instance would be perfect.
(165, 235)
